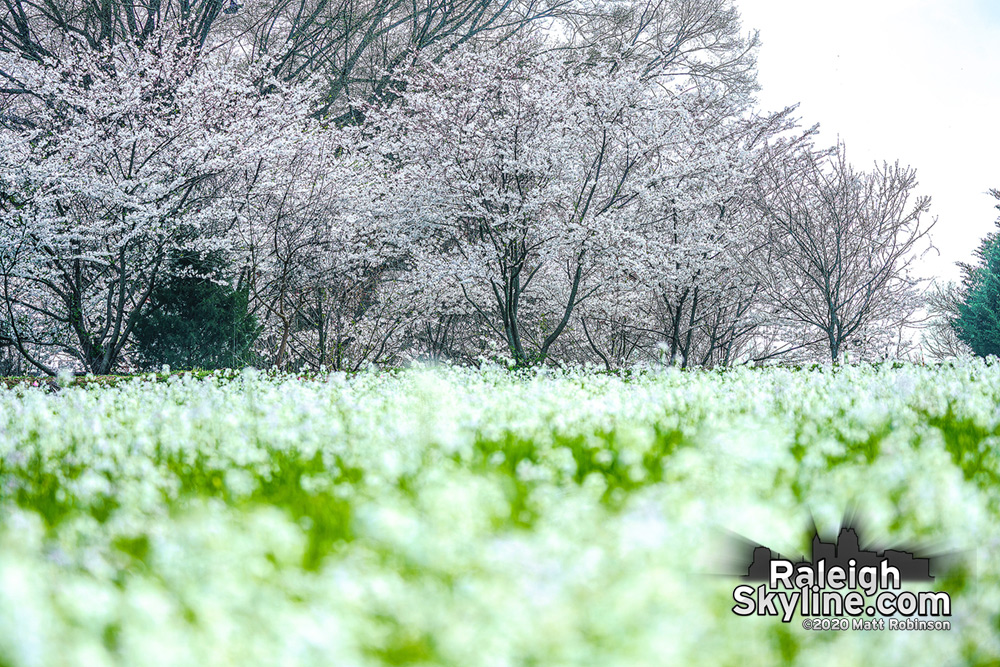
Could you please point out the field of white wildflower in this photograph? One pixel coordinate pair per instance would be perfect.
(479, 517)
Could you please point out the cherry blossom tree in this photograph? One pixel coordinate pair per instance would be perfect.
(706, 298)
(119, 159)
(322, 274)
(529, 183)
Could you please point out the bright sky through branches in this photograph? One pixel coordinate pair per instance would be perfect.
(914, 80)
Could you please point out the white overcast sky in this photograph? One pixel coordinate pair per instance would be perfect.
(913, 80)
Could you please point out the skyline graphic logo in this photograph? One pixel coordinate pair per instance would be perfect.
(841, 585)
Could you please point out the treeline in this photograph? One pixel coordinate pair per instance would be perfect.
(306, 183)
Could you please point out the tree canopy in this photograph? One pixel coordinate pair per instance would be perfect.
(977, 322)
(543, 181)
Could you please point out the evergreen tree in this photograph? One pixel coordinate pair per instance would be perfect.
(978, 320)
(195, 322)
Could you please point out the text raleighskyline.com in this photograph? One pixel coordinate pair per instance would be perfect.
(822, 589)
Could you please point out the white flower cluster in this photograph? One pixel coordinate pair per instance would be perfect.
(479, 517)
